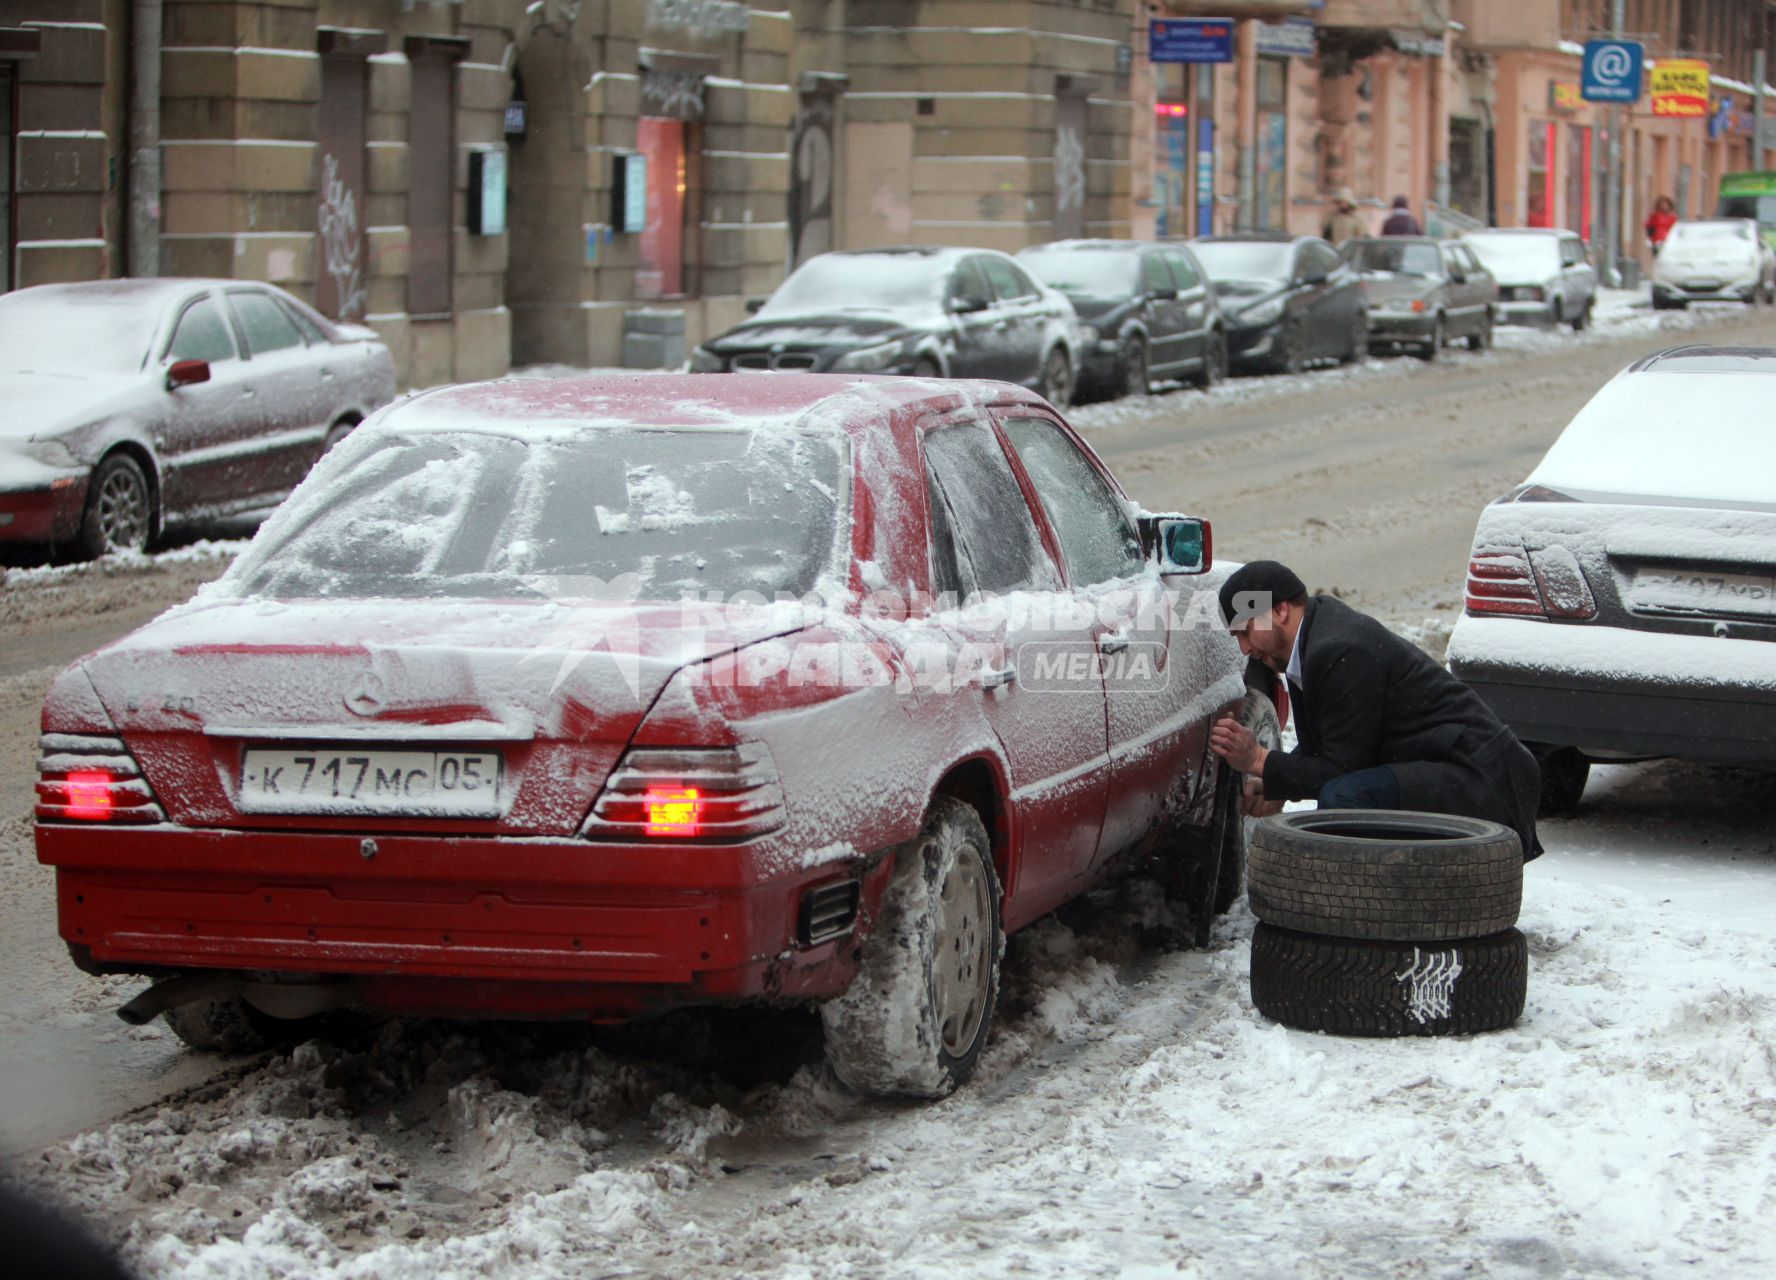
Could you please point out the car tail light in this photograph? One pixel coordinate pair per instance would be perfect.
(1418, 304)
(1527, 293)
(86, 778)
(727, 793)
(1500, 580)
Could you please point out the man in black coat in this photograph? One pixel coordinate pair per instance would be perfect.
(1379, 724)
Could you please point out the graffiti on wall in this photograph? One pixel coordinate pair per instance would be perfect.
(342, 240)
(811, 179)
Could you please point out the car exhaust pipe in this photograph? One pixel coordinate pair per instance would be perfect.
(171, 992)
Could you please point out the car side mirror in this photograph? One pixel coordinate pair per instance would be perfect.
(967, 303)
(753, 305)
(183, 373)
(1180, 544)
(1162, 295)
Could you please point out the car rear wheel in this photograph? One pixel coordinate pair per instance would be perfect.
(223, 1024)
(1582, 321)
(336, 435)
(1481, 338)
(119, 509)
(1057, 379)
(926, 367)
(917, 1014)
(1564, 774)
(1214, 365)
(1434, 344)
(1133, 368)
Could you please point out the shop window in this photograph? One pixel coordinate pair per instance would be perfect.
(659, 271)
(1273, 142)
(1578, 179)
(1538, 199)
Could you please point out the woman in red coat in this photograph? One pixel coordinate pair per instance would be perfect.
(1659, 221)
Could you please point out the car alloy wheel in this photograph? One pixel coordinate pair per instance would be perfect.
(119, 508)
(1134, 368)
(1057, 379)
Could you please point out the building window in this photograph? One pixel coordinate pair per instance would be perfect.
(1578, 179)
(431, 193)
(1273, 142)
(1538, 195)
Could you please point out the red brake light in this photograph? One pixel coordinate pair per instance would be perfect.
(88, 778)
(673, 811)
(1500, 581)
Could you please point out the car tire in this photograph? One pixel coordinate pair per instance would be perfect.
(1057, 379)
(1582, 321)
(1565, 770)
(1481, 338)
(1132, 369)
(926, 367)
(1375, 873)
(336, 435)
(120, 513)
(222, 1024)
(1214, 365)
(1432, 346)
(916, 1016)
(1389, 989)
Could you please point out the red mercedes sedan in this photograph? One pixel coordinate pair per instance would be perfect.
(591, 698)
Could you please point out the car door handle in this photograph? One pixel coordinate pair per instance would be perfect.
(1006, 675)
(1112, 642)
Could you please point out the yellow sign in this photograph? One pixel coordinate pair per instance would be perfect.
(1564, 95)
(1680, 87)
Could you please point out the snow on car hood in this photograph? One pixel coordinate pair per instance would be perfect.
(41, 405)
(1703, 437)
(812, 330)
(560, 686)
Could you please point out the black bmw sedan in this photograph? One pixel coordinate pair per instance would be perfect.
(1146, 310)
(1287, 299)
(930, 312)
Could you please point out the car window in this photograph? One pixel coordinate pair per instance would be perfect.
(1096, 537)
(970, 281)
(201, 334)
(950, 576)
(1007, 280)
(311, 332)
(1452, 260)
(995, 535)
(1154, 274)
(1184, 271)
(1469, 262)
(265, 323)
(1571, 253)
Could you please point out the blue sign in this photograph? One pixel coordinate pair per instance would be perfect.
(1612, 71)
(1190, 40)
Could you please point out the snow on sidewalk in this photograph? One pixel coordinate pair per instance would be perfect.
(1133, 1116)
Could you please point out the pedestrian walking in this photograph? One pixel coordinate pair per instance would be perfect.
(1343, 224)
(1659, 222)
(1401, 222)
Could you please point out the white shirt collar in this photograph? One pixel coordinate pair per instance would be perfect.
(1293, 671)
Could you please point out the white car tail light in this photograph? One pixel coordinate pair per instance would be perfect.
(1500, 580)
(87, 778)
(726, 793)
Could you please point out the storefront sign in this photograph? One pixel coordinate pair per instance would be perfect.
(704, 17)
(1564, 95)
(1416, 42)
(1681, 88)
(1612, 70)
(1290, 38)
(1190, 40)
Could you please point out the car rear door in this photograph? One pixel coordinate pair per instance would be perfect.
(294, 386)
(1467, 293)
(1025, 659)
(1153, 672)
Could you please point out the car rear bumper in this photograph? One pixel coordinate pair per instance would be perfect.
(50, 513)
(1699, 701)
(1524, 312)
(1724, 291)
(458, 927)
(1393, 326)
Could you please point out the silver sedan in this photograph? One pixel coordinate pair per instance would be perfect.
(132, 406)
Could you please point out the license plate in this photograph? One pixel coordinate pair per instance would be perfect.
(1703, 286)
(1703, 591)
(328, 780)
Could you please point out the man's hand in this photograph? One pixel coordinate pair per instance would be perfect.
(1252, 801)
(1234, 743)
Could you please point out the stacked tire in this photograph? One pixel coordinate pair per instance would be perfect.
(1387, 923)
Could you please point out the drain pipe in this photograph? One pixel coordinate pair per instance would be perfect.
(144, 139)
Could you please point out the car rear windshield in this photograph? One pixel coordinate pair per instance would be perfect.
(1705, 232)
(468, 514)
(860, 282)
(1517, 257)
(1087, 273)
(71, 333)
(1245, 259)
(1412, 259)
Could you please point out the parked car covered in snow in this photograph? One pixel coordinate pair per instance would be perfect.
(1287, 299)
(1423, 292)
(1713, 260)
(1146, 309)
(136, 405)
(1621, 601)
(520, 706)
(1543, 275)
(930, 312)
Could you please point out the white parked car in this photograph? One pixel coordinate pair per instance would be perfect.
(1543, 275)
(1621, 601)
(1714, 260)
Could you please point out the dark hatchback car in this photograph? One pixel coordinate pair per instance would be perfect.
(1424, 292)
(1286, 299)
(930, 312)
(1146, 312)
